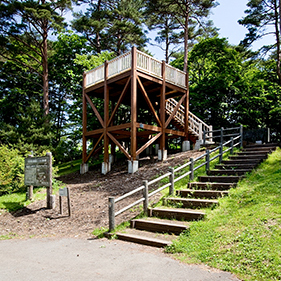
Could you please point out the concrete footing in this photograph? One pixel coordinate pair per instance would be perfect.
(162, 155)
(84, 168)
(105, 167)
(197, 144)
(185, 146)
(133, 166)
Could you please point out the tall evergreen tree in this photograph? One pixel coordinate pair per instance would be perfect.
(113, 25)
(264, 18)
(28, 23)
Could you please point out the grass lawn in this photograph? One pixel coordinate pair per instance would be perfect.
(243, 234)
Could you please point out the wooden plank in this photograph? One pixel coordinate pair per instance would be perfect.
(95, 110)
(119, 100)
(149, 77)
(119, 145)
(148, 143)
(175, 111)
(151, 107)
(94, 148)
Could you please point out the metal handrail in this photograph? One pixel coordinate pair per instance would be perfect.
(172, 179)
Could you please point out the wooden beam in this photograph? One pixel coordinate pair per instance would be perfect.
(119, 101)
(84, 121)
(95, 110)
(163, 107)
(141, 87)
(94, 148)
(106, 115)
(134, 103)
(119, 145)
(119, 127)
(94, 132)
(148, 143)
(186, 105)
(173, 132)
(175, 111)
(149, 127)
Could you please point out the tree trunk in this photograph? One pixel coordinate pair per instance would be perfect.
(185, 60)
(277, 33)
(45, 73)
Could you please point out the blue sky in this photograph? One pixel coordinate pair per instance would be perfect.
(225, 17)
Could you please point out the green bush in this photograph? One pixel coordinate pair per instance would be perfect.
(11, 170)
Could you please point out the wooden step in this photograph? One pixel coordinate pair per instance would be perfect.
(201, 193)
(237, 166)
(260, 152)
(176, 213)
(224, 179)
(248, 157)
(192, 203)
(242, 161)
(210, 185)
(264, 145)
(145, 238)
(238, 172)
(261, 149)
(160, 225)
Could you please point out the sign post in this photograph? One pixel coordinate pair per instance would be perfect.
(38, 172)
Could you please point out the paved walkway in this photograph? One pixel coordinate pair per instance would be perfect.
(99, 260)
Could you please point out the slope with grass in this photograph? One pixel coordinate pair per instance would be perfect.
(242, 235)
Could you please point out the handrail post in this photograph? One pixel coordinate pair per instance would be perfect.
(221, 152)
(191, 176)
(111, 213)
(200, 131)
(204, 137)
(145, 196)
(232, 143)
(207, 160)
(172, 181)
(241, 135)
(221, 134)
(211, 133)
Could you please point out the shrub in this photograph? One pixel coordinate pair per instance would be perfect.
(11, 170)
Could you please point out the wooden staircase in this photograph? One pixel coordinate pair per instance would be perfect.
(195, 125)
(165, 223)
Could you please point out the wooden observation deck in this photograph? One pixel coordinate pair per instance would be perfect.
(147, 87)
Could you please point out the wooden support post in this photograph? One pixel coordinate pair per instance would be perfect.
(111, 212)
(134, 104)
(84, 120)
(145, 196)
(162, 107)
(186, 106)
(106, 115)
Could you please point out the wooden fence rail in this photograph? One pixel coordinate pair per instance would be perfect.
(233, 142)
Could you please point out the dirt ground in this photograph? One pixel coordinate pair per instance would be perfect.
(89, 201)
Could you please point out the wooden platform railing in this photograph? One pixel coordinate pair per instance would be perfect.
(145, 63)
(174, 175)
(195, 124)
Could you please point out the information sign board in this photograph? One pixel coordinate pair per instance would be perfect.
(37, 171)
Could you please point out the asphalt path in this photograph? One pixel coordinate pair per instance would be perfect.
(101, 260)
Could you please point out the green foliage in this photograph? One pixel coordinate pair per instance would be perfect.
(242, 235)
(11, 170)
